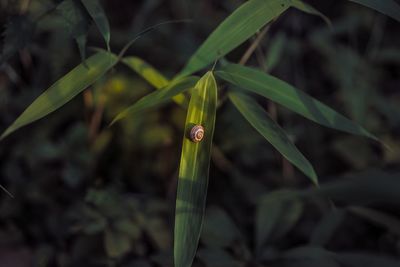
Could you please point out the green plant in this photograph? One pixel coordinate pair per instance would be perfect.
(236, 29)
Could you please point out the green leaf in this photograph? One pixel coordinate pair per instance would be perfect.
(158, 97)
(96, 11)
(274, 134)
(65, 89)
(288, 96)
(76, 22)
(234, 30)
(193, 172)
(18, 32)
(387, 7)
(310, 10)
(277, 213)
(151, 75)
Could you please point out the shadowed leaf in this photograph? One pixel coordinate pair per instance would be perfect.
(310, 10)
(96, 11)
(387, 7)
(288, 96)
(76, 22)
(274, 134)
(65, 89)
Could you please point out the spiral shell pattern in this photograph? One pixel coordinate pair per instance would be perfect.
(196, 133)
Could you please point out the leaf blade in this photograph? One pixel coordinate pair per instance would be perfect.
(99, 17)
(151, 75)
(300, 5)
(271, 131)
(76, 22)
(64, 89)
(234, 30)
(193, 172)
(290, 97)
(158, 97)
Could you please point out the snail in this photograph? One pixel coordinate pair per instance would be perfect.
(196, 133)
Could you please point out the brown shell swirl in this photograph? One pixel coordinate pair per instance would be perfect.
(196, 133)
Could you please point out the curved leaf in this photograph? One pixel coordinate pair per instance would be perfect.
(288, 96)
(274, 134)
(151, 75)
(387, 7)
(193, 172)
(159, 96)
(96, 11)
(300, 5)
(234, 30)
(76, 22)
(65, 89)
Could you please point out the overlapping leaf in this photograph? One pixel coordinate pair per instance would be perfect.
(234, 30)
(274, 134)
(193, 172)
(158, 97)
(151, 75)
(96, 11)
(288, 96)
(65, 89)
(310, 10)
(76, 22)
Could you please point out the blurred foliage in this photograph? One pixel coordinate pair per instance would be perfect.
(90, 195)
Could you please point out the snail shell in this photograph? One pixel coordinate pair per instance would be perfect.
(196, 133)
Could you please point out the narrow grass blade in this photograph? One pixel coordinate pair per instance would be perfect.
(300, 5)
(193, 172)
(65, 89)
(288, 96)
(96, 11)
(274, 134)
(159, 97)
(151, 75)
(234, 30)
(388, 7)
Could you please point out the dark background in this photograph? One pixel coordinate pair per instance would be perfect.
(89, 195)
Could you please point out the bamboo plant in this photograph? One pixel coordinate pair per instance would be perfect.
(246, 21)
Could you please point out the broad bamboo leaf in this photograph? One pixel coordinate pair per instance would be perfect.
(234, 30)
(65, 89)
(96, 11)
(274, 134)
(288, 96)
(151, 75)
(310, 10)
(387, 7)
(193, 172)
(159, 97)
